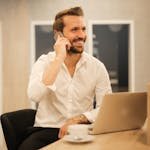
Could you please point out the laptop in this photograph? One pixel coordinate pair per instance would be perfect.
(121, 111)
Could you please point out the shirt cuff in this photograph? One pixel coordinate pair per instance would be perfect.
(91, 115)
(50, 87)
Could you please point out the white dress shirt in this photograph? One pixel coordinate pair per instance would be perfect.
(68, 96)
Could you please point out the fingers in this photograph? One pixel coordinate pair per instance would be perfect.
(62, 42)
(61, 47)
(63, 131)
(61, 38)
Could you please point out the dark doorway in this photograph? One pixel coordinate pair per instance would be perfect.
(110, 45)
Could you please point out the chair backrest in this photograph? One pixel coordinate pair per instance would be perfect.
(14, 125)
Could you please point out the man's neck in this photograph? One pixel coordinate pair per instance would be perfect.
(72, 59)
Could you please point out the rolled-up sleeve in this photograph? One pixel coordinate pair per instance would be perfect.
(91, 115)
(36, 88)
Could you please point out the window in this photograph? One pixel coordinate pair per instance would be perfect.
(42, 39)
(111, 42)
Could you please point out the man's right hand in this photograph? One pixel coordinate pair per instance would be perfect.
(51, 71)
(60, 47)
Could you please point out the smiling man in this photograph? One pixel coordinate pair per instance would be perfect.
(65, 82)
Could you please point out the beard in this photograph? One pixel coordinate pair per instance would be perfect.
(74, 50)
(77, 49)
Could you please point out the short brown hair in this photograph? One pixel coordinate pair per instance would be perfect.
(59, 24)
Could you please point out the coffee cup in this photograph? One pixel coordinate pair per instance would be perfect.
(78, 131)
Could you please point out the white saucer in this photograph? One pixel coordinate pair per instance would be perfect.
(74, 139)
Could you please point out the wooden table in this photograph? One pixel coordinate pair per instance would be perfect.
(127, 140)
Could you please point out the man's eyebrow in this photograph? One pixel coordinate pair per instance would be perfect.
(75, 28)
(79, 27)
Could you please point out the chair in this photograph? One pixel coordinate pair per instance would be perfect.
(15, 125)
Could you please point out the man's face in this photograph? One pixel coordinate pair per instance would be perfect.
(75, 31)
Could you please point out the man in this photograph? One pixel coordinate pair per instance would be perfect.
(64, 82)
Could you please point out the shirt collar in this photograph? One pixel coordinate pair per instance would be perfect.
(83, 58)
(81, 62)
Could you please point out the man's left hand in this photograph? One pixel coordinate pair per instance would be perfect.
(81, 119)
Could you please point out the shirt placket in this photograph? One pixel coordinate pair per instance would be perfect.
(70, 99)
(69, 91)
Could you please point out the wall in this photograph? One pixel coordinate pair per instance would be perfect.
(16, 17)
(15, 33)
(1, 68)
(136, 10)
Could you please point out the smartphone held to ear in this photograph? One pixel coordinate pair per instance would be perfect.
(56, 34)
(71, 49)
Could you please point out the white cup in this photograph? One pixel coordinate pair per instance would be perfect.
(78, 130)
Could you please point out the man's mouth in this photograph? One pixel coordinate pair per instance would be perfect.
(79, 43)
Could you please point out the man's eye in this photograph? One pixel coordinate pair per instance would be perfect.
(74, 30)
(84, 29)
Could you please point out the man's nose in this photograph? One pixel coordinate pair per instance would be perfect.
(81, 34)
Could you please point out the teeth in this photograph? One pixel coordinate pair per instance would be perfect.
(80, 42)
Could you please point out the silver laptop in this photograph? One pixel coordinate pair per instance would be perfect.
(121, 111)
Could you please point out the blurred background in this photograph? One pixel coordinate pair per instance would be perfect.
(118, 34)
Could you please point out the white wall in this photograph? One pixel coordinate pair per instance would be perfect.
(1, 62)
(14, 17)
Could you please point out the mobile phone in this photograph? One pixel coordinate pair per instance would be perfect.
(56, 35)
(72, 49)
